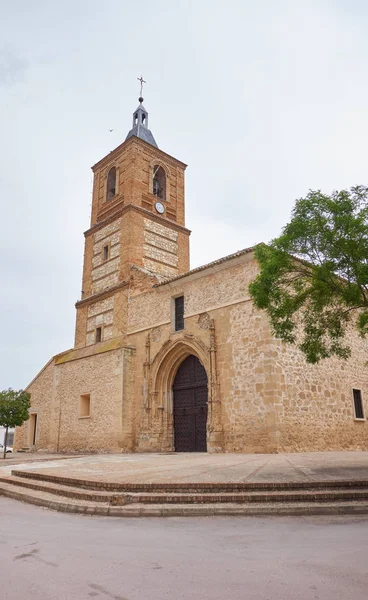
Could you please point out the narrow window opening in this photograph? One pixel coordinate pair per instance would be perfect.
(179, 313)
(159, 182)
(135, 118)
(143, 118)
(85, 405)
(111, 184)
(358, 404)
(98, 334)
(105, 252)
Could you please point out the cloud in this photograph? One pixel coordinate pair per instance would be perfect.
(263, 100)
(12, 67)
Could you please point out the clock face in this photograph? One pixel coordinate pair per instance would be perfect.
(160, 208)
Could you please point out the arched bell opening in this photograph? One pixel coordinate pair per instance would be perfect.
(111, 184)
(159, 182)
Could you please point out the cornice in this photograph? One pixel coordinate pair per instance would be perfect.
(118, 343)
(101, 295)
(135, 140)
(139, 209)
(109, 207)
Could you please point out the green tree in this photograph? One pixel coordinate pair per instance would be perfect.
(14, 405)
(313, 279)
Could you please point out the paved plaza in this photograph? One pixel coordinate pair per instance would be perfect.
(199, 467)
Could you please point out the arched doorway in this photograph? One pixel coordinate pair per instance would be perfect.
(190, 396)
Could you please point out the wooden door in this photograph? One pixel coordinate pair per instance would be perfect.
(190, 406)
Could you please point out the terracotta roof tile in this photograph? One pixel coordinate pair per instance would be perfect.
(207, 266)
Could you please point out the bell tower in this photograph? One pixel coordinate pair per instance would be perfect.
(137, 219)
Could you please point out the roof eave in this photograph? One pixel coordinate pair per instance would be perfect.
(210, 265)
(118, 149)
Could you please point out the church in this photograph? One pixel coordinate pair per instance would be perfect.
(168, 359)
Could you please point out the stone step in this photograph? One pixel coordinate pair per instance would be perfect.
(190, 497)
(57, 489)
(183, 487)
(239, 497)
(53, 502)
(47, 499)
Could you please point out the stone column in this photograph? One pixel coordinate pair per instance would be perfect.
(126, 381)
(146, 421)
(215, 436)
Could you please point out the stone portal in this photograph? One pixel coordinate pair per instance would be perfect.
(190, 395)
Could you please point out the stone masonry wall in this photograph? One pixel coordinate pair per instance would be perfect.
(41, 390)
(202, 293)
(100, 314)
(101, 376)
(271, 399)
(105, 273)
(55, 397)
(317, 409)
(160, 248)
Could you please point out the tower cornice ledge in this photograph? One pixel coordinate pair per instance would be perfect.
(101, 295)
(131, 141)
(139, 209)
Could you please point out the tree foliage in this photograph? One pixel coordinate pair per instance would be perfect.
(313, 279)
(14, 405)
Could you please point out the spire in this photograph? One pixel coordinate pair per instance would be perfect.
(140, 121)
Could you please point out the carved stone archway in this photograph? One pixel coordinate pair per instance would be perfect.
(159, 374)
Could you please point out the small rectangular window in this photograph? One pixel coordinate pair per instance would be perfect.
(358, 404)
(98, 334)
(179, 313)
(105, 252)
(85, 405)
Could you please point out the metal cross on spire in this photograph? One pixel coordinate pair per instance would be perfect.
(142, 82)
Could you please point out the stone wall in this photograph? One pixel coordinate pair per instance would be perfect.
(263, 396)
(105, 273)
(100, 314)
(101, 376)
(317, 409)
(55, 397)
(42, 396)
(160, 249)
(271, 399)
(203, 291)
(133, 232)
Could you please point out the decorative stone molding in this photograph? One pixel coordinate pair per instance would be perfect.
(214, 426)
(138, 209)
(204, 321)
(159, 375)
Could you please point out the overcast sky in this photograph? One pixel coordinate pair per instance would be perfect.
(263, 100)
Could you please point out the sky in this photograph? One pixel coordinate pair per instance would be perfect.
(263, 100)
